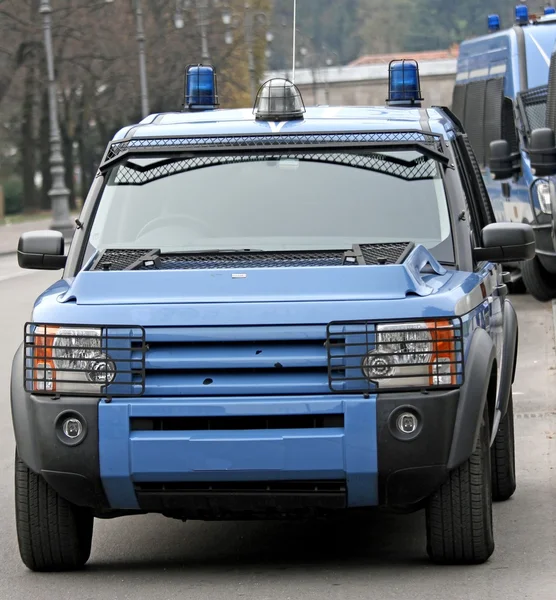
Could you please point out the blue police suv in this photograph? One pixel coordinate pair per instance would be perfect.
(276, 313)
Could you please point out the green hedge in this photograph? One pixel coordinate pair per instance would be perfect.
(13, 195)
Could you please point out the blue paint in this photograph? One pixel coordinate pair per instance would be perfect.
(333, 453)
(255, 346)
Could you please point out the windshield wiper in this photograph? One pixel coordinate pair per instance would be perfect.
(152, 257)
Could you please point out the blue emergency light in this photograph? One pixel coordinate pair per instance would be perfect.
(404, 83)
(521, 14)
(493, 23)
(550, 10)
(279, 100)
(200, 88)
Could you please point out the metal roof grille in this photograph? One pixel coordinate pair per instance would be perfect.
(261, 141)
(149, 260)
(420, 168)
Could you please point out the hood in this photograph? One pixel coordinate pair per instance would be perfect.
(419, 275)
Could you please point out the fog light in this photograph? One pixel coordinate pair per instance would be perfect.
(407, 423)
(72, 428)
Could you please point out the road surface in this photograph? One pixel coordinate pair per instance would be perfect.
(152, 558)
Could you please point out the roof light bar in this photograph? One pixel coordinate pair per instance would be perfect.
(404, 83)
(279, 100)
(200, 88)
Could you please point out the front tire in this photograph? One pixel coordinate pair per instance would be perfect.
(540, 283)
(459, 514)
(53, 534)
(503, 458)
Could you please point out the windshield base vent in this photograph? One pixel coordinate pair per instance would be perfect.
(149, 260)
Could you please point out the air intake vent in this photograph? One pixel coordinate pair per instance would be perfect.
(149, 260)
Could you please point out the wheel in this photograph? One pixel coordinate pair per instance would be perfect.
(540, 283)
(459, 514)
(503, 458)
(53, 534)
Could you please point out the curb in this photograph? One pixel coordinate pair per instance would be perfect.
(554, 321)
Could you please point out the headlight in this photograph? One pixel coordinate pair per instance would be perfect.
(71, 360)
(421, 354)
(545, 201)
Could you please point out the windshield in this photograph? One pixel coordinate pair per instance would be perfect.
(313, 201)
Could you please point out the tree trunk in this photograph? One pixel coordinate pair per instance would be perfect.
(67, 149)
(28, 150)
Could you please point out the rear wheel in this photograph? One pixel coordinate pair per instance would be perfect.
(53, 534)
(503, 458)
(459, 514)
(540, 283)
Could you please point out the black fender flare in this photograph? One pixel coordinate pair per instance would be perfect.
(509, 358)
(473, 397)
(22, 415)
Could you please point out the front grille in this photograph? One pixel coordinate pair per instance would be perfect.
(364, 356)
(254, 499)
(149, 260)
(243, 423)
(236, 361)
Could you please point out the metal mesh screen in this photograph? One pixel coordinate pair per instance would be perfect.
(533, 108)
(420, 168)
(494, 99)
(474, 119)
(551, 97)
(261, 141)
(147, 260)
(458, 101)
(485, 198)
(509, 131)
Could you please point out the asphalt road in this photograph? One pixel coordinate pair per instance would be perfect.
(382, 557)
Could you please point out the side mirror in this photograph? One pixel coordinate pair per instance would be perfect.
(41, 250)
(506, 242)
(503, 163)
(542, 152)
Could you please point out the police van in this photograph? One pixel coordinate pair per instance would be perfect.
(501, 94)
(272, 313)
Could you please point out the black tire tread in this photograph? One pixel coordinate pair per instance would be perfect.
(459, 514)
(540, 283)
(503, 458)
(53, 534)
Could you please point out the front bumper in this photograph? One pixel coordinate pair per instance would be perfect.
(180, 457)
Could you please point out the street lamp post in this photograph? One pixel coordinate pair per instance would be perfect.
(202, 7)
(58, 193)
(142, 57)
